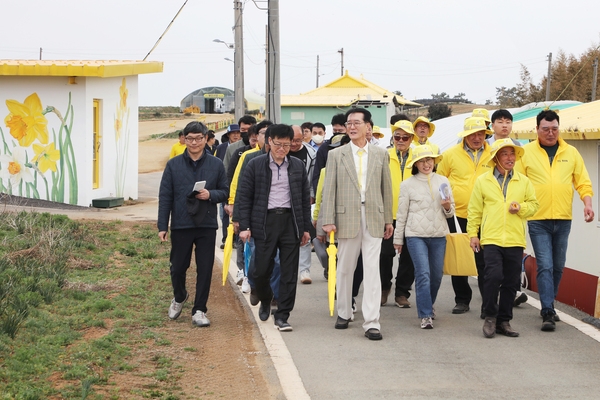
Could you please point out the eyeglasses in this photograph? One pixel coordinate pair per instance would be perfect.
(196, 139)
(403, 138)
(281, 145)
(355, 123)
(546, 129)
(297, 141)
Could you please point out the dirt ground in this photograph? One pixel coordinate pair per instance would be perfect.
(154, 153)
(226, 360)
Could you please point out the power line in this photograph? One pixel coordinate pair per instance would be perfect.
(166, 30)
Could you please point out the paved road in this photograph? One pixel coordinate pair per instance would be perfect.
(451, 361)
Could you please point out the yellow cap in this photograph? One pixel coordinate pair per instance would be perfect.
(423, 151)
(474, 124)
(426, 120)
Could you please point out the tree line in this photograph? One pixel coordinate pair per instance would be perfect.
(571, 78)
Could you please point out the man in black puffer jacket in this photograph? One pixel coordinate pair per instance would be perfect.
(273, 201)
(193, 217)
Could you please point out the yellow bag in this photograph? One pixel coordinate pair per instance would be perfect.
(459, 259)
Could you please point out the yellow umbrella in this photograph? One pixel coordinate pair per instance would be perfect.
(227, 252)
(332, 252)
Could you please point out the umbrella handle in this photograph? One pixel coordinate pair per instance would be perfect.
(331, 237)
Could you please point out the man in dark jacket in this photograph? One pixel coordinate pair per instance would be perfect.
(193, 217)
(274, 209)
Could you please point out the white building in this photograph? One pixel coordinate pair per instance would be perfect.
(70, 129)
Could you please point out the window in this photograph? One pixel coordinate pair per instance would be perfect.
(96, 144)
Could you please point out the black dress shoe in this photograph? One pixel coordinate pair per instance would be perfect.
(254, 300)
(460, 308)
(341, 323)
(282, 325)
(373, 334)
(264, 311)
(505, 329)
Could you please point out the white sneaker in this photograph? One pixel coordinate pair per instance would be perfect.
(175, 308)
(305, 277)
(239, 277)
(426, 323)
(246, 285)
(199, 319)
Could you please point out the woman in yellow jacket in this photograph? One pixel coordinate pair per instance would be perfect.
(501, 201)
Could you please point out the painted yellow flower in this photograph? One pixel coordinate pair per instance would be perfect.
(124, 92)
(16, 171)
(118, 128)
(46, 157)
(26, 121)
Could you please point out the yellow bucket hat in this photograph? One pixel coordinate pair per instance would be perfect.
(377, 132)
(482, 113)
(406, 126)
(474, 124)
(423, 151)
(502, 143)
(426, 120)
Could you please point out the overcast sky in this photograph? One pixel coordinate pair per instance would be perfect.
(417, 47)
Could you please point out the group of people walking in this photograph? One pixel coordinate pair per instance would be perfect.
(378, 202)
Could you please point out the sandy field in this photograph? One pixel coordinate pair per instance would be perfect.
(154, 153)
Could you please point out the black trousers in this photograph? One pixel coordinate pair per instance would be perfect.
(182, 242)
(280, 234)
(462, 290)
(405, 276)
(502, 274)
(224, 221)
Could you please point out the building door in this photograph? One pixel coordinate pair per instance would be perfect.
(96, 148)
(209, 106)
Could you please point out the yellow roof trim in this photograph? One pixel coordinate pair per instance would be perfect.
(580, 122)
(92, 68)
(587, 134)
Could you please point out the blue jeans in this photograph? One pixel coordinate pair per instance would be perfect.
(428, 258)
(549, 239)
(275, 276)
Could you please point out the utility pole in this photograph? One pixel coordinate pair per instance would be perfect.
(595, 80)
(238, 61)
(548, 80)
(274, 92)
(317, 71)
(341, 51)
(40, 53)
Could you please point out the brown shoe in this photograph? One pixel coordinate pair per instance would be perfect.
(402, 302)
(384, 296)
(505, 329)
(489, 327)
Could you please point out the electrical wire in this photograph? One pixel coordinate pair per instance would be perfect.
(166, 30)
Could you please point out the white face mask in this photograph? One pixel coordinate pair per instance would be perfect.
(318, 139)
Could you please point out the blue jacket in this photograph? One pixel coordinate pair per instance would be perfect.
(177, 183)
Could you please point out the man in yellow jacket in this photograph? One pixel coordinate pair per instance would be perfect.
(554, 167)
(423, 131)
(462, 164)
(501, 201)
(400, 155)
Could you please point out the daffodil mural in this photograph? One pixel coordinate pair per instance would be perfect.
(29, 157)
(122, 134)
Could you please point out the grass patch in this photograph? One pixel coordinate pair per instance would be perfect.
(75, 299)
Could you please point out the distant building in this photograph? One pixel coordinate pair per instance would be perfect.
(70, 129)
(219, 100)
(340, 95)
